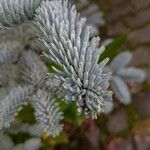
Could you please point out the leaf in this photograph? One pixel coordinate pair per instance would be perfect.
(112, 49)
(27, 114)
(70, 113)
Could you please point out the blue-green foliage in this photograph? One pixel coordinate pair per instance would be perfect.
(67, 36)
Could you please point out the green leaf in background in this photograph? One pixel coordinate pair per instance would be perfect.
(27, 115)
(111, 50)
(70, 113)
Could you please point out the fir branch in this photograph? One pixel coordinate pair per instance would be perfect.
(121, 90)
(122, 74)
(8, 53)
(33, 69)
(68, 38)
(132, 75)
(12, 104)
(47, 113)
(15, 12)
(120, 61)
